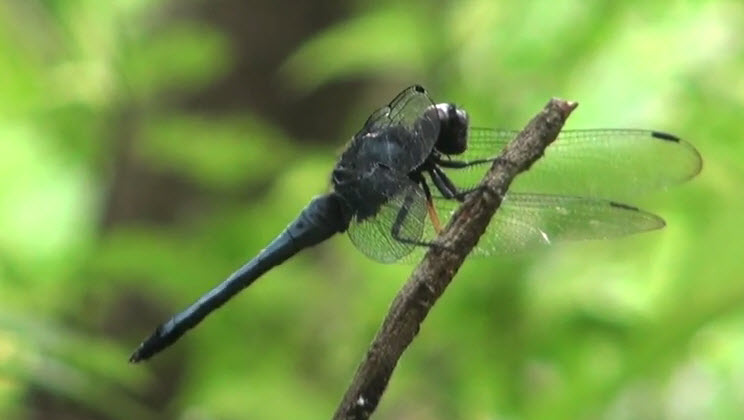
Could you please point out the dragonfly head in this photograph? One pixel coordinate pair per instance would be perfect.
(453, 129)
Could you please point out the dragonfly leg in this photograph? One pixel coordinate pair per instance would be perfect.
(433, 216)
(403, 214)
(400, 219)
(459, 164)
(445, 185)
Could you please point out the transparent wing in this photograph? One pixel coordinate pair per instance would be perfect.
(391, 230)
(529, 221)
(600, 163)
(405, 109)
(410, 119)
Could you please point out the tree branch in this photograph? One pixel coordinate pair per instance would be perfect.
(432, 276)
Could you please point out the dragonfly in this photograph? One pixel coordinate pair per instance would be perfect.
(401, 177)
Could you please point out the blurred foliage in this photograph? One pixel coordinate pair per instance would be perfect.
(643, 327)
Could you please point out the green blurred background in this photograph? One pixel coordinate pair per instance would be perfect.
(148, 148)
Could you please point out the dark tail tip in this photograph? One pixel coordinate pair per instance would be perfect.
(143, 352)
(151, 346)
(137, 356)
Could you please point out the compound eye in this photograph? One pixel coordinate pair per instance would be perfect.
(453, 130)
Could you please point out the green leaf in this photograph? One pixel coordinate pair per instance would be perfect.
(184, 56)
(390, 40)
(220, 152)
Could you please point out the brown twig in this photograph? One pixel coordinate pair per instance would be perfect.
(432, 276)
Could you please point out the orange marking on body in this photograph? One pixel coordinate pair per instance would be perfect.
(434, 217)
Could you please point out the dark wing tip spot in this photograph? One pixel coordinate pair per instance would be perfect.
(624, 206)
(652, 221)
(418, 88)
(665, 136)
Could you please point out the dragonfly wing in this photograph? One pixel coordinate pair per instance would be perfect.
(411, 119)
(600, 163)
(527, 221)
(405, 109)
(389, 229)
